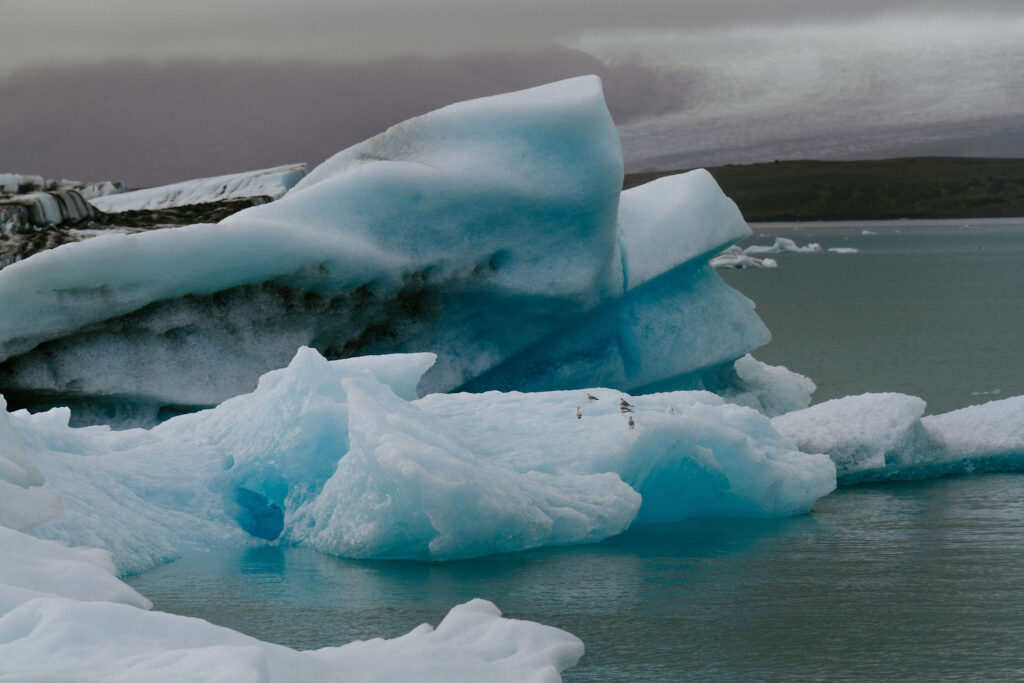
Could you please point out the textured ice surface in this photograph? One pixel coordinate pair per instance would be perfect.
(268, 182)
(488, 232)
(883, 436)
(24, 503)
(334, 454)
(653, 218)
(770, 389)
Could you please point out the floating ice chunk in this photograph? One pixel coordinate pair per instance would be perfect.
(991, 431)
(672, 220)
(782, 245)
(733, 257)
(770, 389)
(843, 250)
(883, 436)
(270, 182)
(864, 433)
(325, 453)
(61, 639)
(868, 232)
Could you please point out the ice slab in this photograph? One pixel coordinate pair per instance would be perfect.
(873, 437)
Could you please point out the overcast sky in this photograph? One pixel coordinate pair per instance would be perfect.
(689, 82)
(61, 31)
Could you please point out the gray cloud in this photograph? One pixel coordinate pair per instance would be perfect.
(75, 31)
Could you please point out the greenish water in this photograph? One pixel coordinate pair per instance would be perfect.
(911, 581)
(918, 581)
(929, 308)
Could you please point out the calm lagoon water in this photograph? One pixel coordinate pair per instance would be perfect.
(909, 581)
(929, 308)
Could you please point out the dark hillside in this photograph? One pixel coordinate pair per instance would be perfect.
(916, 187)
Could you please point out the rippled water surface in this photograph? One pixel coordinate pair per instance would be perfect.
(921, 581)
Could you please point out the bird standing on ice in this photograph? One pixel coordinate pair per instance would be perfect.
(632, 425)
(592, 397)
(579, 415)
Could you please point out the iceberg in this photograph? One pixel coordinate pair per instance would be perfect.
(874, 437)
(268, 184)
(733, 257)
(341, 456)
(782, 245)
(491, 232)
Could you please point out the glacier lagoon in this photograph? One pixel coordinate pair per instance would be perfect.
(908, 581)
(911, 580)
(259, 466)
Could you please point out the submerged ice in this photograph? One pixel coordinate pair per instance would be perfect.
(490, 232)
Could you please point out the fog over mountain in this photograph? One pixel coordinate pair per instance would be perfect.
(162, 95)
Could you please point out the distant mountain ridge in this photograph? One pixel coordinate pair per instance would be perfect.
(912, 187)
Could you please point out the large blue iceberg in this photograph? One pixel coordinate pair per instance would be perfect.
(342, 456)
(490, 232)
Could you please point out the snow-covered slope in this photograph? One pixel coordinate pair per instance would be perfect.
(271, 183)
(488, 232)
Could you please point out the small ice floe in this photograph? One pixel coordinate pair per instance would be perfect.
(868, 232)
(782, 245)
(733, 257)
(843, 250)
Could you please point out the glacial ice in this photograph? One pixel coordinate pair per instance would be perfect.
(271, 183)
(489, 231)
(334, 454)
(873, 437)
(24, 503)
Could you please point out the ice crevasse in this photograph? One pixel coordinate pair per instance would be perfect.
(492, 232)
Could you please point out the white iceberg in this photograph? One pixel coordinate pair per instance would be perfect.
(733, 257)
(782, 245)
(489, 231)
(270, 183)
(334, 454)
(873, 437)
